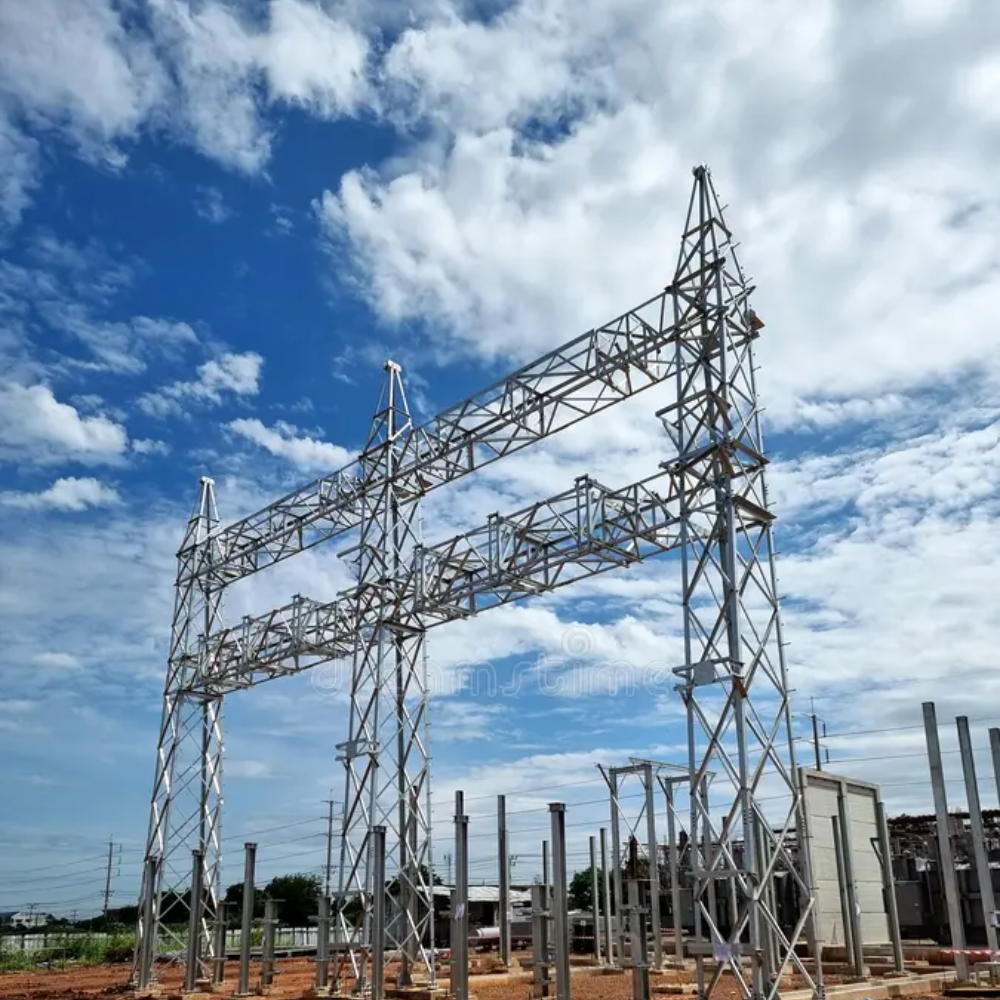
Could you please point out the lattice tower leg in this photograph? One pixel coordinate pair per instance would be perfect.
(186, 805)
(734, 681)
(386, 757)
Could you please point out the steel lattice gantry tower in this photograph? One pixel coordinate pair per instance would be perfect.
(707, 503)
(386, 756)
(187, 787)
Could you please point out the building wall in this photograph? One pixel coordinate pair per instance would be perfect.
(822, 794)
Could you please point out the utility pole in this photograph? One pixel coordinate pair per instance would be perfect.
(447, 868)
(107, 880)
(819, 759)
(329, 845)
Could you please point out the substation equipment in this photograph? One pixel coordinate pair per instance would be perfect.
(707, 502)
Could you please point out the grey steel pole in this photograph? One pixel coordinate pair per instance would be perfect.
(594, 900)
(609, 947)
(546, 874)
(983, 873)
(560, 905)
(147, 944)
(219, 949)
(192, 972)
(948, 879)
(673, 862)
(654, 867)
(889, 887)
(378, 912)
(504, 879)
(323, 945)
(246, 917)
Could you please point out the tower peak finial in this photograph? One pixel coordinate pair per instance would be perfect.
(392, 366)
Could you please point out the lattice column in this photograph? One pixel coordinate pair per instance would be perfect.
(186, 804)
(734, 679)
(386, 757)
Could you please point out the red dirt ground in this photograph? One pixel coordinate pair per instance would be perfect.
(295, 977)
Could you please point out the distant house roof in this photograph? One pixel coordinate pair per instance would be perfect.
(485, 894)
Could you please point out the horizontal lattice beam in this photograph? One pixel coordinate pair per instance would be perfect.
(579, 533)
(584, 377)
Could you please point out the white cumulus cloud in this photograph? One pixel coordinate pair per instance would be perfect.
(285, 441)
(236, 374)
(69, 494)
(36, 428)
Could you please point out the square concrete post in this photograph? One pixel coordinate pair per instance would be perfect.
(460, 905)
(219, 947)
(267, 942)
(857, 932)
(609, 947)
(246, 918)
(995, 754)
(804, 831)
(889, 887)
(560, 900)
(323, 945)
(948, 879)
(673, 867)
(845, 894)
(637, 928)
(616, 860)
(146, 955)
(594, 899)
(540, 968)
(983, 873)
(654, 866)
(546, 874)
(769, 952)
(192, 971)
(504, 882)
(378, 912)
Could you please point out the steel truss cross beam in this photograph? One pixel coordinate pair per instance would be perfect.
(709, 502)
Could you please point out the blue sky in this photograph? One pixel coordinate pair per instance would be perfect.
(218, 219)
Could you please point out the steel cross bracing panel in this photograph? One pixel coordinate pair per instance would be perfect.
(584, 377)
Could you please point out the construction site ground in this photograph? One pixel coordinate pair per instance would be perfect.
(295, 980)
